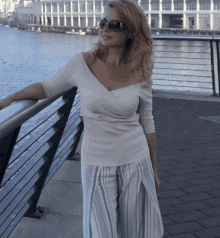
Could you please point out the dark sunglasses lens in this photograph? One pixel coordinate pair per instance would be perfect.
(112, 25)
(102, 23)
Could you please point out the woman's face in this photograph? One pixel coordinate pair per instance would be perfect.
(116, 38)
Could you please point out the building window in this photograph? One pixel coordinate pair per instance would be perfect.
(205, 5)
(75, 6)
(166, 6)
(90, 6)
(105, 3)
(67, 6)
(145, 6)
(55, 23)
(82, 6)
(155, 6)
(98, 6)
(43, 7)
(75, 21)
(153, 23)
(54, 6)
(216, 5)
(61, 7)
(61, 21)
(48, 7)
(191, 6)
(178, 6)
(68, 21)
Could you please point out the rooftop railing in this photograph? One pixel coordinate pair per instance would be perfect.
(28, 161)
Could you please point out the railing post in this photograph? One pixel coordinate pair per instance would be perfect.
(34, 211)
(214, 65)
(6, 147)
(72, 153)
(218, 64)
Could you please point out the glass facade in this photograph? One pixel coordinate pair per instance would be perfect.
(204, 5)
(178, 5)
(55, 21)
(54, 7)
(191, 5)
(97, 6)
(67, 6)
(155, 6)
(166, 5)
(61, 7)
(145, 5)
(61, 21)
(68, 21)
(216, 5)
(82, 6)
(48, 7)
(89, 6)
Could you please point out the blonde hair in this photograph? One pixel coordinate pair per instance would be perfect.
(138, 51)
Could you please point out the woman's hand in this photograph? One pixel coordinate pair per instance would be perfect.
(157, 182)
(5, 102)
(154, 166)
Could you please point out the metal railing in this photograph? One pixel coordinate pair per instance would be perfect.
(27, 164)
(25, 169)
(192, 66)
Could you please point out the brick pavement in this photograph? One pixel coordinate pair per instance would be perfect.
(188, 158)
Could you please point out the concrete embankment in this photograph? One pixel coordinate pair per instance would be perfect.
(95, 30)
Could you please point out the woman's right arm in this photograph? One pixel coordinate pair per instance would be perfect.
(33, 91)
(62, 81)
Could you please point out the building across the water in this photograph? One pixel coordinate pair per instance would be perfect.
(185, 14)
(7, 7)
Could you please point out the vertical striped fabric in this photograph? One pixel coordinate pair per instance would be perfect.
(120, 201)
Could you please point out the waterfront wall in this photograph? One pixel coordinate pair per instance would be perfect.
(57, 29)
(184, 31)
(95, 30)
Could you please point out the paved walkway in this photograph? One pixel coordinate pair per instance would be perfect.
(188, 155)
(188, 151)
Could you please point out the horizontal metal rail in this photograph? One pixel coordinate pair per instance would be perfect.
(189, 66)
(28, 164)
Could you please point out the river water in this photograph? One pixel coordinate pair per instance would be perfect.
(28, 57)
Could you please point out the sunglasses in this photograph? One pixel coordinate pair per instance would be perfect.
(112, 25)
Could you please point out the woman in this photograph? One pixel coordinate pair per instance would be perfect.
(113, 194)
(118, 152)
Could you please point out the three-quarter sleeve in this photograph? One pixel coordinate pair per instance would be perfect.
(145, 110)
(63, 80)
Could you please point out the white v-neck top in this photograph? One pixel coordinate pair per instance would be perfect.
(115, 122)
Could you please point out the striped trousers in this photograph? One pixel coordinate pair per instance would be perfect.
(120, 201)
